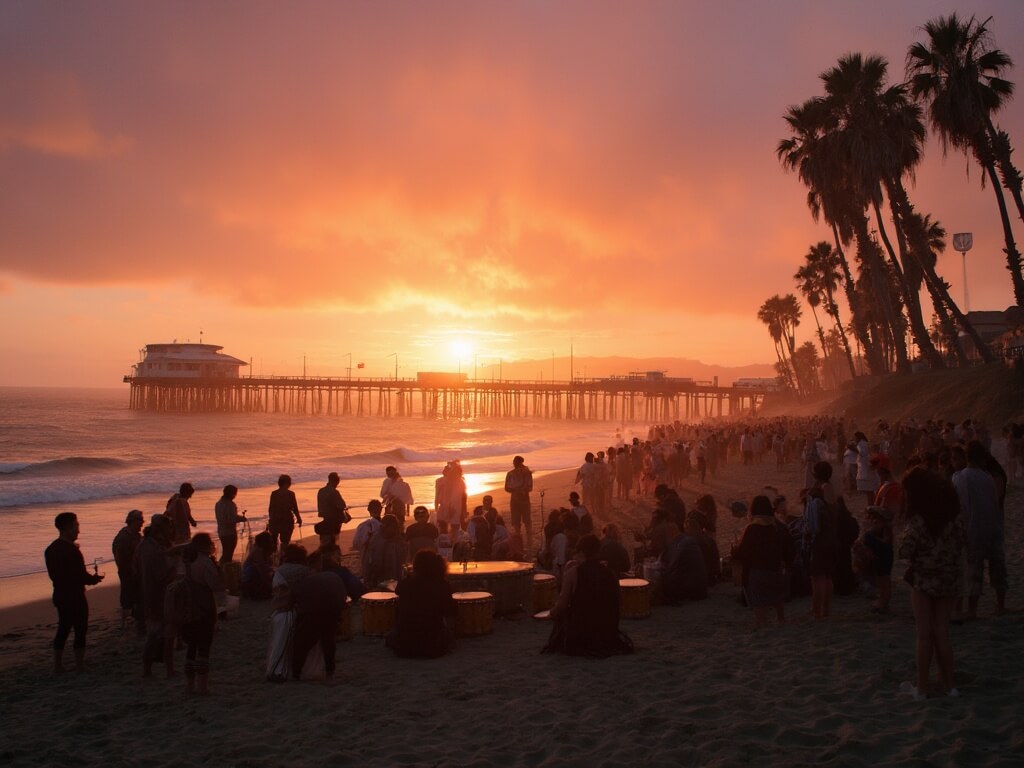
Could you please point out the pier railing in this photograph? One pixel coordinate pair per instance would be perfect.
(599, 399)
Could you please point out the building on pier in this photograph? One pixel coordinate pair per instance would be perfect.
(186, 361)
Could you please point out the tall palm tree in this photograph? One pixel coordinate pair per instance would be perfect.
(806, 151)
(957, 74)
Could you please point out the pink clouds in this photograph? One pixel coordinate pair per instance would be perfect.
(565, 164)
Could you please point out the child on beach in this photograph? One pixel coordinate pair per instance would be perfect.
(874, 554)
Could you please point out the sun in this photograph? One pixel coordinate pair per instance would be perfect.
(461, 348)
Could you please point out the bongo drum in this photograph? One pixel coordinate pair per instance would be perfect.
(542, 615)
(344, 629)
(474, 613)
(378, 610)
(545, 590)
(634, 598)
(510, 583)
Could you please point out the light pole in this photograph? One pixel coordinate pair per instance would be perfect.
(962, 241)
(395, 355)
(349, 369)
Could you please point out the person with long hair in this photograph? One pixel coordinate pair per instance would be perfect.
(934, 545)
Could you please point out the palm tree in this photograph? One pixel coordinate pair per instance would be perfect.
(817, 280)
(957, 74)
(807, 153)
(782, 315)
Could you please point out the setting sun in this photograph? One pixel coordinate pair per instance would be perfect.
(461, 348)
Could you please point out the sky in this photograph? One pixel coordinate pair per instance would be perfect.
(322, 184)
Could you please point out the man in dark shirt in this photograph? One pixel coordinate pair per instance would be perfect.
(283, 507)
(66, 566)
(123, 547)
(331, 507)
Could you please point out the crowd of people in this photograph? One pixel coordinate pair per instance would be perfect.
(933, 496)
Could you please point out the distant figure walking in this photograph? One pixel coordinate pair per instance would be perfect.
(396, 495)
(450, 498)
(519, 484)
(66, 567)
(283, 512)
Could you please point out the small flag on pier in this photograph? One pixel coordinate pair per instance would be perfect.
(360, 365)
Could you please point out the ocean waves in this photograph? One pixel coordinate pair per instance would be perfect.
(71, 466)
(462, 451)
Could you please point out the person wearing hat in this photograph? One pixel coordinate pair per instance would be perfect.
(123, 547)
(874, 553)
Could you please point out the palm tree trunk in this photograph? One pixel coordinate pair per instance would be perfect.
(833, 309)
(1013, 261)
(821, 338)
(872, 261)
(872, 353)
(947, 325)
(911, 296)
(1012, 179)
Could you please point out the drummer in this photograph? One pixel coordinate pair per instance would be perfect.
(587, 611)
(426, 610)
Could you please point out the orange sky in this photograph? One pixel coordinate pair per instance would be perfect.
(372, 178)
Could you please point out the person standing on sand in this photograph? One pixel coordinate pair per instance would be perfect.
(934, 544)
(66, 568)
(519, 484)
(979, 501)
(330, 506)
(226, 512)
(179, 512)
(123, 548)
(396, 495)
(155, 568)
(283, 507)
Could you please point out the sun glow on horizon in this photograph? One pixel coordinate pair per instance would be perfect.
(461, 348)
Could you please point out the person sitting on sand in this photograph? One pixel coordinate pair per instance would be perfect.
(613, 553)
(709, 513)
(480, 534)
(385, 553)
(66, 568)
(257, 570)
(684, 574)
(328, 558)
(208, 591)
(708, 548)
(874, 554)
(586, 614)
(766, 551)
(934, 544)
(501, 548)
(422, 534)
(365, 532)
(425, 612)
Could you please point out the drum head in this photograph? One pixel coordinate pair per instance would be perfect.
(471, 596)
(633, 583)
(378, 597)
(542, 615)
(542, 577)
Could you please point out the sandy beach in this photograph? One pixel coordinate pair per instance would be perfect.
(701, 689)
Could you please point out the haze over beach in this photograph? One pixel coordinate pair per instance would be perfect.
(714, 242)
(360, 179)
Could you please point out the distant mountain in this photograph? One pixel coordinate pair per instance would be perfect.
(597, 367)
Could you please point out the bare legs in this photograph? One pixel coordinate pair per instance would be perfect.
(931, 615)
(821, 596)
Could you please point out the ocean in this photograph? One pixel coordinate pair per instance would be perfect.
(84, 451)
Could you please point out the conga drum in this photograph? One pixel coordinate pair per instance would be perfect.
(378, 610)
(232, 575)
(344, 629)
(474, 613)
(545, 590)
(634, 598)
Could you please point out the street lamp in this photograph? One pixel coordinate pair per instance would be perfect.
(349, 369)
(962, 241)
(395, 355)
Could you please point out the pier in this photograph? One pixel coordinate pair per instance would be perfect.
(596, 399)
